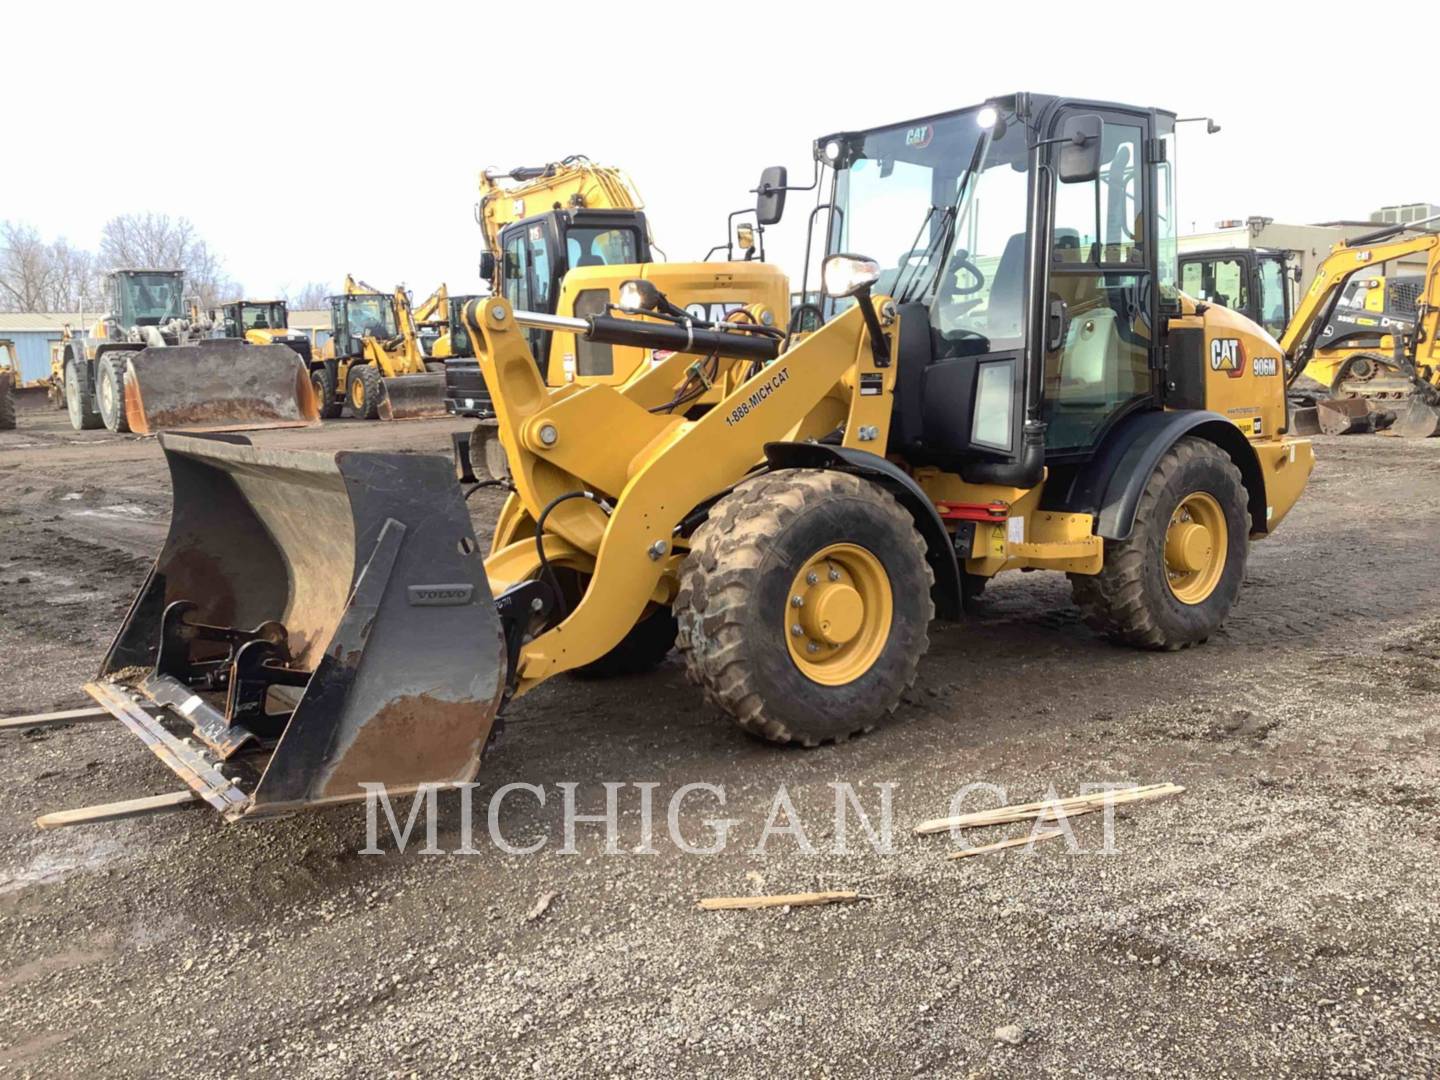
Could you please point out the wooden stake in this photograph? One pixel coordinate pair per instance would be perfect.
(66, 716)
(804, 899)
(151, 804)
(1001, 845)
(1051, 810)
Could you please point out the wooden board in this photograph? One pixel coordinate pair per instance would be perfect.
(65, 716)
(151, 804)
(748, 903)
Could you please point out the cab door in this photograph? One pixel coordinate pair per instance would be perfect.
(1101, 356)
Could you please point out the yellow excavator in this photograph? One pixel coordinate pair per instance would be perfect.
(154, 363)
(561, 239)
(1367, 336)
(373, 361)
(432, 323)
(1028, 391)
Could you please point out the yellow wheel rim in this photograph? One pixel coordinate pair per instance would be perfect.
(357, 392)
(837, 614)
(1196, 546)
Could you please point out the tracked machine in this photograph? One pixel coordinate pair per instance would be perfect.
(1015, 384)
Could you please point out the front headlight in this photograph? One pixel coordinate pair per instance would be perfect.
(846, 275)
(637, 294)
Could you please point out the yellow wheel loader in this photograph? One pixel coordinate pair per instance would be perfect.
(373, 362)
(9, 383)
(148, 366)
(1014, 384)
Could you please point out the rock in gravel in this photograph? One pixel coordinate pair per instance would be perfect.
(1010, 1034)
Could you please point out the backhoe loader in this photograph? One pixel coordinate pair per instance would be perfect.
(1028, 392)
(149, 365)
(1369, 339)
(373, 361)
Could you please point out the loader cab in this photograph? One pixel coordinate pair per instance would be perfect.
(1029, 245)
(1256, 282)
(356, 316)
(460, 345)
(537, 252)
(242, 316)
(146, 297)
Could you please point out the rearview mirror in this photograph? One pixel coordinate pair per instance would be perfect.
(1080, 152)
(487, 266)
(770, 195)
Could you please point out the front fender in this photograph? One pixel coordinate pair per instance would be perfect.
(939, 548)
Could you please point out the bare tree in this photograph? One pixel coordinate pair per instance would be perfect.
(312, 296)
(158, 241)
(40, 276)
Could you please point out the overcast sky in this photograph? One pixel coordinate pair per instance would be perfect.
(308, 141)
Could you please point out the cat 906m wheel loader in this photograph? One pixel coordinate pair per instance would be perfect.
(1018, 386)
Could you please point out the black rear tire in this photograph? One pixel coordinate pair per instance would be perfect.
(7, 401)
(643, 649)
(110, 391)
(323, 377)
(364, 391)
(79, 401)
(1132, 600)
(735, 607)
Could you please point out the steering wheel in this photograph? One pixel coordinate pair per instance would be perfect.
(961, 262)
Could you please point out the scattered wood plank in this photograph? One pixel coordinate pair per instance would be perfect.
(65, 716)
(1001, 845)
(150, 804)
(541, 905)
(1052, 810)
(804, 899)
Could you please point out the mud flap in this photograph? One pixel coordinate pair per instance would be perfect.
(221, 385)
(410, 397)
(315, 622)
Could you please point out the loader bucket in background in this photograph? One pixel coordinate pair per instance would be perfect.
(1419, 420)
(314, 622)
(220, 385)
(410, 397)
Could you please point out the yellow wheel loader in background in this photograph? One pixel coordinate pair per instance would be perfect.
(9, 383)
(373, 361)
(1030, 392)
(1369, 339)
(148, 366)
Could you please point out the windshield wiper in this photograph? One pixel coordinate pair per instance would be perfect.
(938, 247)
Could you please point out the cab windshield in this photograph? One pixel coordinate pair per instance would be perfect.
(154, 298)
(263, 316)
(941, 205)
(459, 336)
(372, 316)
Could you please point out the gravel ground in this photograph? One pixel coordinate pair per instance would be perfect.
(1279, 918)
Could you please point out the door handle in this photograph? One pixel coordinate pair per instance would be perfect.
(1057, 322)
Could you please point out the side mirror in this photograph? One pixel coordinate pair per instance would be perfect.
(487, 266)
(770, 195)
(1080, 152)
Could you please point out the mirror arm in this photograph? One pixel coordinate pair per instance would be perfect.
(879, 344)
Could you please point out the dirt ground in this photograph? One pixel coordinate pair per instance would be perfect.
(1279, 918)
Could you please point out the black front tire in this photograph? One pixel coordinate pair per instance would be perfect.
(1131, 601)
(110, 390)
(323, 378)
(364, 391)
(79, 401)
(735, 590)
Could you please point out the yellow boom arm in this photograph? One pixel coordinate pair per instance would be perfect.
(572, 183)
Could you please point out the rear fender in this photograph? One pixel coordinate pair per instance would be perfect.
(1110, 484)
(939, 548)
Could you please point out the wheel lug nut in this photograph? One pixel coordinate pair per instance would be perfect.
(812, 647)
(797, 629)
(834, 575)
(811, 578)
(797, 601)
